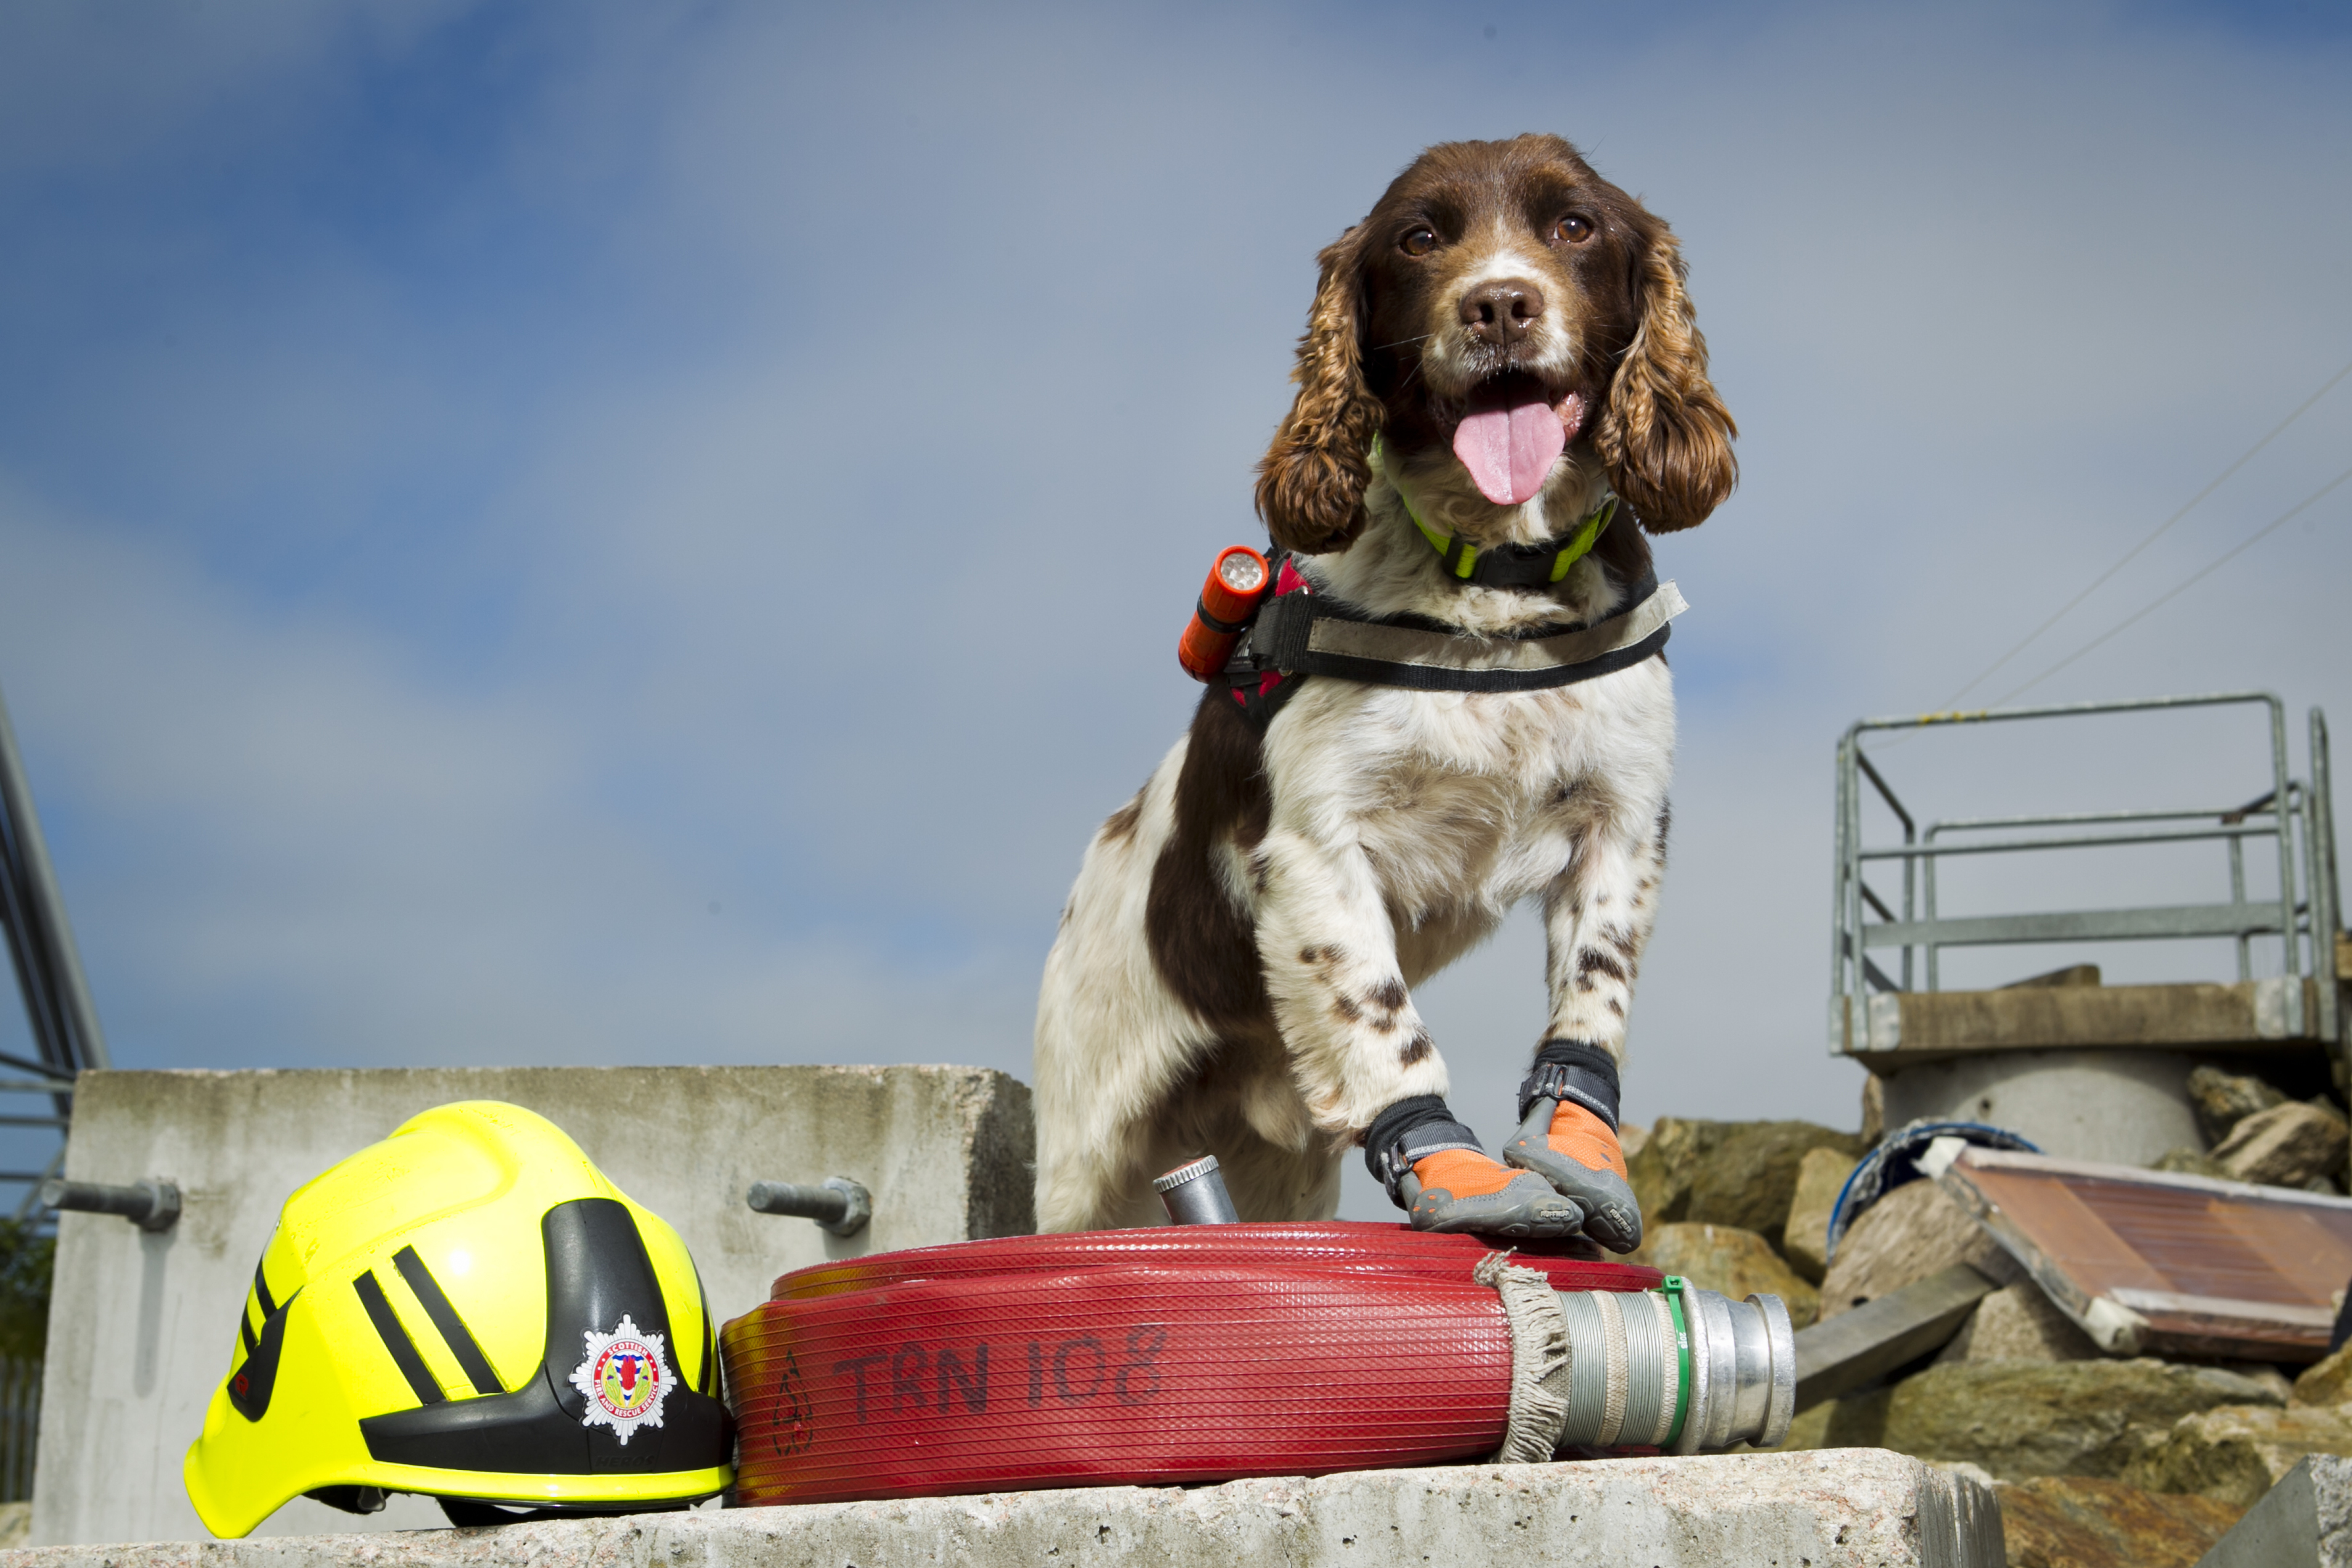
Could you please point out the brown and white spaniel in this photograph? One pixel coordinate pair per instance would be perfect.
(1499, 346)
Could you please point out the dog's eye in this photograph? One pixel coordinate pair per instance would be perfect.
(1571, 230)
(1420, 242)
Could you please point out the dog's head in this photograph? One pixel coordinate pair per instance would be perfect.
(1501, 301)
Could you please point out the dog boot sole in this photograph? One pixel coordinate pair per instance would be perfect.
(1527, 1209)
(1613, 1215)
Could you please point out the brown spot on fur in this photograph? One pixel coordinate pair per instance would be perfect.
(1590, 961)
(1309, 955)
(1391, 994)
(1345, 1006)
(1666, 824)
(1417, 1049)
(1121, 825)
(1613, 1005)
(1202, 942)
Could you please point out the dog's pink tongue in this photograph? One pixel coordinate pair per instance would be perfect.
(1509, 450)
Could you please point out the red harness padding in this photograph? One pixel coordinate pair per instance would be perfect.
(1124, 1357)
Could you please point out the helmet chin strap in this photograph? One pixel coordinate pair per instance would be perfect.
(1508, 565)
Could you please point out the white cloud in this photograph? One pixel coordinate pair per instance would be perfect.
(779, 481)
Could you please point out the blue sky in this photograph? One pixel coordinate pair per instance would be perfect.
(538, 534)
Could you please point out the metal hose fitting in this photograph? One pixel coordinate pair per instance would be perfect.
(1195, 1194)
(1676, 1368)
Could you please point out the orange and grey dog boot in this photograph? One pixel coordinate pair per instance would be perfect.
(1568, 1135)
(1435, 1172)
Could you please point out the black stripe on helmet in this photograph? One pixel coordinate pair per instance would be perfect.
(250, 1384)
(261, 1288)
(443, 1313)
(397, 1341)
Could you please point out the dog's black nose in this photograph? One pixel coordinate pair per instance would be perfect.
(1501, 311)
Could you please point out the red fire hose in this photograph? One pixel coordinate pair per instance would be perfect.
(1159, 1356)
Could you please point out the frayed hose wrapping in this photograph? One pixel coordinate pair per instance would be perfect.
(1677, 1368)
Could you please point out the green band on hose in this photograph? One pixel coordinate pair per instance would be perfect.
(1672, 1287)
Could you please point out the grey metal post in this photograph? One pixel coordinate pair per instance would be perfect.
(2326, 899)
(48, 908)
(2238, 896)
(1840, 1008)
(2296, 1020)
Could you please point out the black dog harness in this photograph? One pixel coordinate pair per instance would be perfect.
(1298, 631)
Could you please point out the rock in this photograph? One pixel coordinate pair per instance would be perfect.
(1662, 1173)
(2234, 1454)
(2264, 1373)
(2188, 1163)
(2222, 1100)
(1632, 1139)
(1750, 1180)
(2018, 1324)
(2081, 1522)
(2285, 1146)
(1722, 1257)
(2327, 1382)
(1912, 1232)
(1739, 1173)
(2304, 1522)
(1820, 1176)
(2024, 1418)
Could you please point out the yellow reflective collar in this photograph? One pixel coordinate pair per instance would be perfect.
(1461, 560)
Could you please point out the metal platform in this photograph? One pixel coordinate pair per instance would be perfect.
(1896, 1016)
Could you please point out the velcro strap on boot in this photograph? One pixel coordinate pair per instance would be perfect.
(1408, 1131)
(1570, 1070)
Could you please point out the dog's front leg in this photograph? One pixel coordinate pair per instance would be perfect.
(1365, 1064)
(1598, 914)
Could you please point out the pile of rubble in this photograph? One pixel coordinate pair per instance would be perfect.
(2094, 1456)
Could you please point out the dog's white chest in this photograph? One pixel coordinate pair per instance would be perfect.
(1464, 801)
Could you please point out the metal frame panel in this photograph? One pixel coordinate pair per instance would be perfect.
(2297, 816)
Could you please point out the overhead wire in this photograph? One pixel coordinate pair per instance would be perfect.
(2297, 510)
(2129, 555)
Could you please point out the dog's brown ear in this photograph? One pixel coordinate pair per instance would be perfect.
(1664, 437)
(1310, 487)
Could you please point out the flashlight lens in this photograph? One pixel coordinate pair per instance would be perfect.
(1242, 573)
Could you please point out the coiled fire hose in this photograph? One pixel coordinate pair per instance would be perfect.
(1211, 1353)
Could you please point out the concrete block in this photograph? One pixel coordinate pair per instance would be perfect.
(143, 1327)
(2304, 1522)
(1843, 1510)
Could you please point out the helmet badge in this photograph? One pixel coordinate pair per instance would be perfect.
(623, 1379)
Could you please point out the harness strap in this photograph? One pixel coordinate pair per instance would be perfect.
(1411, 1130)
(1308, 634)
(1574, 1070)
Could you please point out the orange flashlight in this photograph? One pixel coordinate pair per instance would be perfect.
(1237, 583)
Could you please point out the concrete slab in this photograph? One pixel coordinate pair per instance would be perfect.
(142, 1327)
(1846, 1508)
(2304, 1522)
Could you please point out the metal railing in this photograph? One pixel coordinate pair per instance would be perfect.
(2297, 816)
(20, 1426)
(49, 970)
